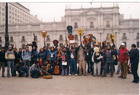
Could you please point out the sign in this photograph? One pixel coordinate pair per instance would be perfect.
(112, 38)
(44, 33)
(72, 41)
(71, 37)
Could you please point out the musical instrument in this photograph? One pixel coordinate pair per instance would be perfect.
(48, 77)
(56, 71)
(59, 53)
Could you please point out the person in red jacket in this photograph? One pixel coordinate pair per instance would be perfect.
(123, 59)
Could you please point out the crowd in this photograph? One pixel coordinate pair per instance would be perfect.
(97, 61)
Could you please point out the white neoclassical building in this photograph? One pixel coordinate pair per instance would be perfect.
(100, 22)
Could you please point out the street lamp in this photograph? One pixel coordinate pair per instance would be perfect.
(6, 28)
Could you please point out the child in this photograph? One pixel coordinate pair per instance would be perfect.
(64, 64)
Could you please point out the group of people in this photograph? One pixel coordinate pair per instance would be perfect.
(77, 60)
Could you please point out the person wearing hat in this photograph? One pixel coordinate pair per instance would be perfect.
(123, 59)
(134, 60)
(2, 60)
(10, 57)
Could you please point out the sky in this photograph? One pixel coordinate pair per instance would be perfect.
(49, 12)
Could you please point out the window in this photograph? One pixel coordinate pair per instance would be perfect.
(107, 36)
(107, 23)
(76, 37)
(35, 38)
(11, 39)
(48, 38)
(23, 39)
(61, 44)
(61, 38)
(23, 46)
(137, 36)
(0, 39)
(75, 25)
(91, 25)
(124, 36)
(137, 44)
(48, 45)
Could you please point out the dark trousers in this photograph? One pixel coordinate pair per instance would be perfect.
(22, 71)
(89, 65)
(35, 74)
(102, 68)
(107, 65)
(73, 66)
(64, 70)
(134, 68)
(27, 63)
(2, 65)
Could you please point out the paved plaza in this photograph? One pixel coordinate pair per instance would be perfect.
(69, 85)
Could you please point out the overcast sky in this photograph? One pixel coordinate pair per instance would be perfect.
(48, 11)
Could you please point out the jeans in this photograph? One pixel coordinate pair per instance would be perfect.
(64, 70)
(118, 70)
(10, 64)
(27, 63)
(89, 66)
(73, 66)
(108, 64)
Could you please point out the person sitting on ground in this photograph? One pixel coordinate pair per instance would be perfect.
(21, 69)
(35, 70)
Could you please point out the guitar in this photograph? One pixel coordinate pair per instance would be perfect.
(56, 71)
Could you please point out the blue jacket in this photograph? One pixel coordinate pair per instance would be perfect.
(134, 56)
(26, 55)
(52, 55)
(42, 55)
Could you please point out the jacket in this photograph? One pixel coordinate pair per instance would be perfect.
(123, 56)
(35, 67)
(2, 56)
(10, 55)
(34, 55)
(134, 56)
(26, 55)
(108, 58)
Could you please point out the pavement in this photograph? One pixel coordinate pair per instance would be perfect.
(69, 85)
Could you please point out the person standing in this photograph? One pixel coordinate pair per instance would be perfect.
(108, 58)
(73, 63)
(81, 61)
(34, 55)
(134, 60)
(2, 61)
(26, 56)
(10, 57)
(123, 59)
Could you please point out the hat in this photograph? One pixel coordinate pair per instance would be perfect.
(122, 44)
(10, 46)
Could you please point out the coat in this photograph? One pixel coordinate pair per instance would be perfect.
(134, 56)
(123, 56)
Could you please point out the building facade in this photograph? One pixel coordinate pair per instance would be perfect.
(17, 13)
(97, 21)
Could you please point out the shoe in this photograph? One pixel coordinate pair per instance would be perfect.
(104, 76)
(8, 76)
(75, 74)
(123, 77)
(117, 73)
(111, 75)
(119, 76)
(69, 74)
(79, 74)
(136, 82)
(3, 76)
(85, 74)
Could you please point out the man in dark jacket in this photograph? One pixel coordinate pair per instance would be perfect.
(134, 60)
(20, 55)
(2, 60)
(34, 55)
